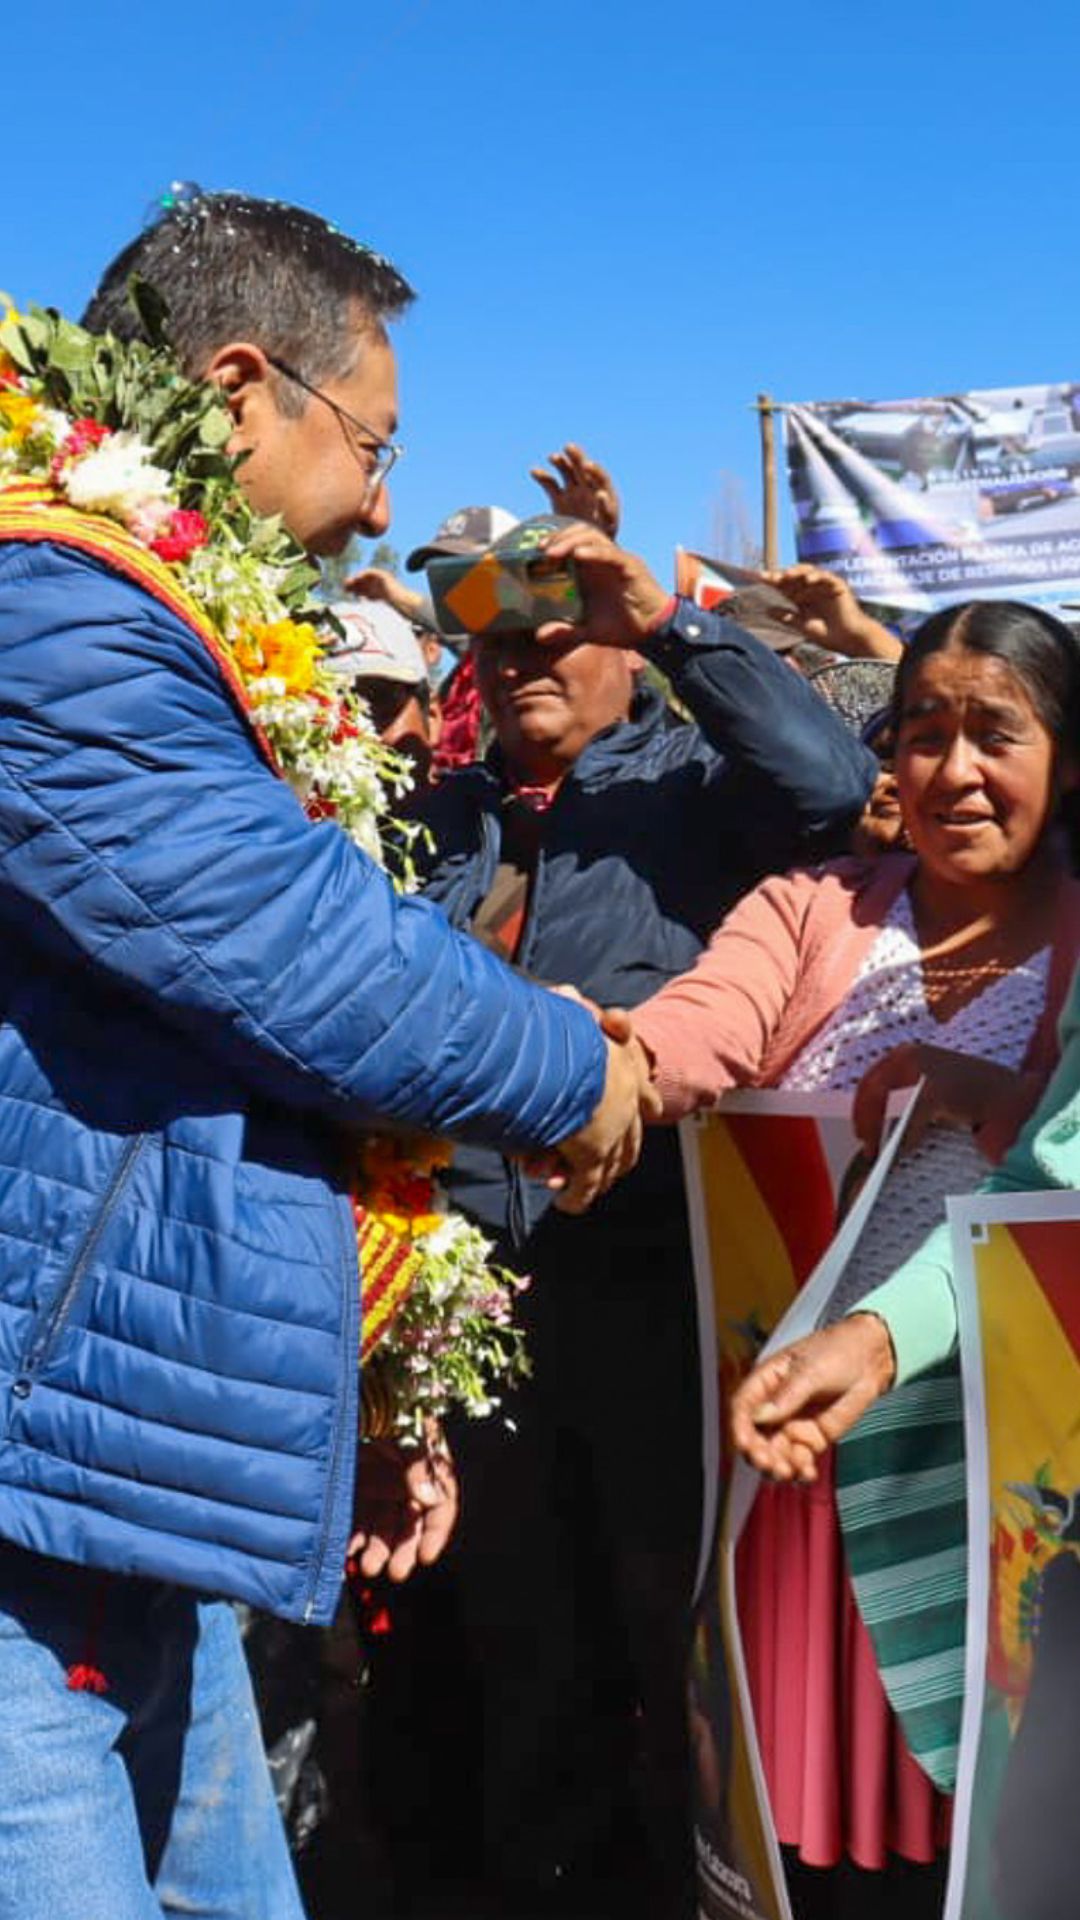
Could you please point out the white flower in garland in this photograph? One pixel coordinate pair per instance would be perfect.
(117, 478)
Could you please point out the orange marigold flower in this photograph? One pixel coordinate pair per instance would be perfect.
(247, 654)
(290, 651)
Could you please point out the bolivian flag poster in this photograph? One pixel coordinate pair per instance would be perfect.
(1015, 1852)
(778, 1195)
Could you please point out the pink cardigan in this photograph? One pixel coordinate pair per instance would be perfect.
(782, 962)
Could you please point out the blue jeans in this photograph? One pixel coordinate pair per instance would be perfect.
(151, 1798)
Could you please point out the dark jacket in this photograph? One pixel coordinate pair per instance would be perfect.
(655, 832)
(202, 996)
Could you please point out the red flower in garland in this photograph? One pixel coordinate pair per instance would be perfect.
(181, 534)
(85, 435)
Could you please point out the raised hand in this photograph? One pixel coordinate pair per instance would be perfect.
(580, 488)
(827, 612)
(375, 583)
(800, 1401)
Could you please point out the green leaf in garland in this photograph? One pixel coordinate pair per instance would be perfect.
(150, 308)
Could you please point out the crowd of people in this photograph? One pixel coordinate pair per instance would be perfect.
(765, 844)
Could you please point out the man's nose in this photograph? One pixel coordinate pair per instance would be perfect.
(375, 513)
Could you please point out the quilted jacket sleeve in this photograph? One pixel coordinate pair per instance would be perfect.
(140, 830)
(784, 765)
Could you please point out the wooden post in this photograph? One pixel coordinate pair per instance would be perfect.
(770, 538)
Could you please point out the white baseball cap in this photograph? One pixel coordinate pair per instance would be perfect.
(379, 644)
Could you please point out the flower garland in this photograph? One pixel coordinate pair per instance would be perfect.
(113, 431)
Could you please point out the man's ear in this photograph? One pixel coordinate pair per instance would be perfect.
(243, 373)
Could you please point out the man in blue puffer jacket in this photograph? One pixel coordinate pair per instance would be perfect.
(201, 996)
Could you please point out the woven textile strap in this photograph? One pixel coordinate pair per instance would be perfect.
(389, 1262)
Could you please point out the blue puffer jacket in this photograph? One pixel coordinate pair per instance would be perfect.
(654, 834)
(201, 996)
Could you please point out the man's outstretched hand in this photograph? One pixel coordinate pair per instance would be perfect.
(407, 1506)
(588, 1162)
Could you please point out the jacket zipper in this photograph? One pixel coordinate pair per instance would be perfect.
(333, 1471)
(53, 1324)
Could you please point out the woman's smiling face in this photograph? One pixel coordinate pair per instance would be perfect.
(975, 767)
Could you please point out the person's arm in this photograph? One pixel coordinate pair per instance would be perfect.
(787, 768)
(141, 832)
(797, 1404)
(709, 1029)
(789, 781)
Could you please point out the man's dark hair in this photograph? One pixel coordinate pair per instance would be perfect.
(232, 268)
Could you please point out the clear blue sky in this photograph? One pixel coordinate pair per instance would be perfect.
(622, 219)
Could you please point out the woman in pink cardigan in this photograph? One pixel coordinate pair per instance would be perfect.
(951, 961)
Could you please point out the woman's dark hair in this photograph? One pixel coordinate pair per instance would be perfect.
(229, 267)
(1040, 650)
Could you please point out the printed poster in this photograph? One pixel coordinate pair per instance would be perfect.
(918, 503)
(1017, 1267)
(778, 1193)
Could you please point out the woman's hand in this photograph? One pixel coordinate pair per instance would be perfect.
(958, 1092)
(799, 1402)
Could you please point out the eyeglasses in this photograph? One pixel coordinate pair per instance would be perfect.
(362, 441)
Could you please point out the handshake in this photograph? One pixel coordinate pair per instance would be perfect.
(588, 1162)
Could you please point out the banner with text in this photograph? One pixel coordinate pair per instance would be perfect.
(918, 503)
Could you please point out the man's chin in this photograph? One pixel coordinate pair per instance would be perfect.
(327, 546)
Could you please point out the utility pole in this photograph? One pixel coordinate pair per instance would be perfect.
(770, 538)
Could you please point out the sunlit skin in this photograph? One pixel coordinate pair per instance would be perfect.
(305, 466)
(975, 771)
(548, 700)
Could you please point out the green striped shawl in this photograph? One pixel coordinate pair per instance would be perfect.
(901, 1495)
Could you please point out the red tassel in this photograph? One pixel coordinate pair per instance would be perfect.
(86, 1679)
(374, 1615)
(85, 1676)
